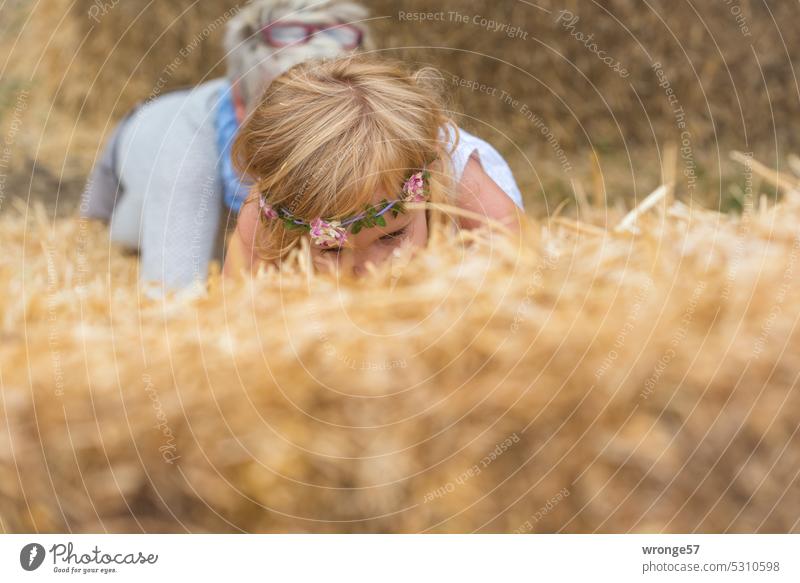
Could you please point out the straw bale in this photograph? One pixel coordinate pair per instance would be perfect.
(576, 379)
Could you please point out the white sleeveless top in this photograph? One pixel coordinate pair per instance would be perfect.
(492, 162)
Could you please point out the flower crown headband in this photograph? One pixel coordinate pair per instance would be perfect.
(333, 233)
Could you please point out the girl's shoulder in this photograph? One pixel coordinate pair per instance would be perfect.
(468, 146)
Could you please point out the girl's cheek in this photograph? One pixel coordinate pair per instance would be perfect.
(325, 262)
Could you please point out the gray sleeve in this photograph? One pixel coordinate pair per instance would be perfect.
(181, 214)
(171, 205)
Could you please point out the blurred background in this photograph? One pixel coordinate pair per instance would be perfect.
(581, 97)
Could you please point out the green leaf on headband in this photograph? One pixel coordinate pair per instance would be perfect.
(381, 221)
(356, 228)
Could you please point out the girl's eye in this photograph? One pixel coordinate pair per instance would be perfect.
(389, 237)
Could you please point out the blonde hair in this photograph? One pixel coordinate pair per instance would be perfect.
(328, 135)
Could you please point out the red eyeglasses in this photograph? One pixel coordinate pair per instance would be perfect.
(282, 34)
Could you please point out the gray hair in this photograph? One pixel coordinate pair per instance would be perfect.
(253, 64)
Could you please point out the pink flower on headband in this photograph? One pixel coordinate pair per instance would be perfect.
(414, 188)
(267, 209)
(327, 234)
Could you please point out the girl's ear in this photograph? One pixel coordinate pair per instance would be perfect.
(435, 167)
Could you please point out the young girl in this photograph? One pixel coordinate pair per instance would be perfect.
(338, 150)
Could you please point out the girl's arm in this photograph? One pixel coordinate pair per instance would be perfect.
(240, 253)
(478, 193)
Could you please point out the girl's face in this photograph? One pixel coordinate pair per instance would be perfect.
(375, 244)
